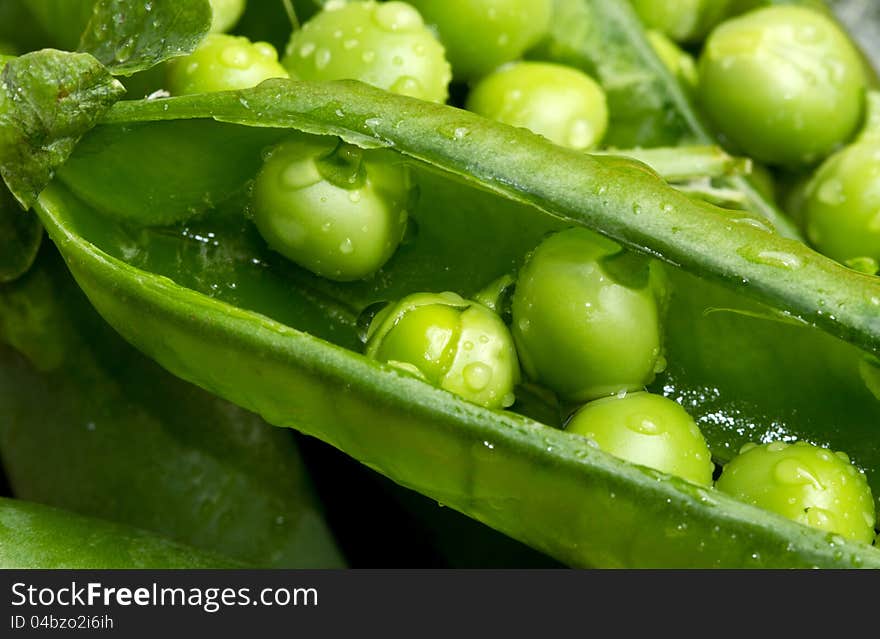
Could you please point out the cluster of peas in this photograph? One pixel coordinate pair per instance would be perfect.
(586, 315)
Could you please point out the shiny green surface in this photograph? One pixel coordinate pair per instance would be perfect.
(805, 483)
(223, 63)
(805, 84)
(226, 13)
(563, 104)
(33, 536)
(225, 292)
(332, 208)
(682, 20)
(842, 204)
(481, 35)
(649, 430)
(497, 467)
(385, 44)
(587, 317)
(458, 345)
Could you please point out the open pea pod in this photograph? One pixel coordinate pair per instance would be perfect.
(204, 296)
(90, 425)
(36, 536)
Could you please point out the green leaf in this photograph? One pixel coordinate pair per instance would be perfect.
(34, 536)
(90, 425)
(20, 237)
(133, 35)
(48, 100)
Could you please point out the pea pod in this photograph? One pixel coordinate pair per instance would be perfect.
(35, 536)
(138, 446)
(169, 291)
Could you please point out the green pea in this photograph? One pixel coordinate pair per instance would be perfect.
(682, 20)
(842, 204)
(587, 316)
(224, 63)
(783, 84)
(386, 45)
(453, 343)
(649, 430)
(561, 103)
(332, 208)
(806, 483)
(481, 35)
(680, 63)
(226, 13)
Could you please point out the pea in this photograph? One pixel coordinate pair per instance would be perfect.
(587, 316)
(842, 204)
(386, 45)
(806, 483)
(649, 430)
(682, 20)
(451, 342)
(561, 103)
(224, 63)
(332, 208)
(226, 13)
(783, 84)
(481, 35)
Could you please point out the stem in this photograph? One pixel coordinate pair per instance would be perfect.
(685, 163)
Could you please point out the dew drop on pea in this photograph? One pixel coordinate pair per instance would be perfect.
(643, 425)
(323, 56)
(477, 376)
(791, 472)
(346, 247)
(819, 518)
(407, 85)
(831, 193)
(236, 57)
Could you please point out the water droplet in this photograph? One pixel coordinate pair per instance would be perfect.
(781, 259)
(791, 472)
(299, 175)
(477, 376)
(323, 56)
(754, 223)
(355, 196)
(831, 193)
(819, 518)
(368, 56)
(348, 45)
(407, 85)
(236, 57)
(580, 135)
(346, 247)
(644, 425)
(776, 447)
